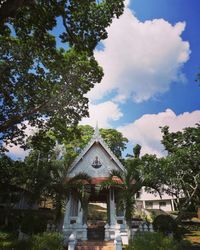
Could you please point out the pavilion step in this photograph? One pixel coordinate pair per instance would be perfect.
(95, 245)
(95, 234)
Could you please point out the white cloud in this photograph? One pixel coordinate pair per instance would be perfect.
(15, 151)
(146, 132)
(103, 113)
(140, 59)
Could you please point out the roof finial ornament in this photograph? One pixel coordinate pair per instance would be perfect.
(96, 133)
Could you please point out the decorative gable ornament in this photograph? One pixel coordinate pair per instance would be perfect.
(96, 163)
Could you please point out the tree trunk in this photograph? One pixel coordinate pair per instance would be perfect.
(198, 213)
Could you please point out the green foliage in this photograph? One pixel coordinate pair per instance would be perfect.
(130, 182)
(10, 172)
(6, 240)
(115, 141)
(152, 241)
(137, 175)
(50, 241)
(136, 151)
(41, 85)
(127, 184)
(181, 166)
(74, 146)
(113, 138)
(164, 224)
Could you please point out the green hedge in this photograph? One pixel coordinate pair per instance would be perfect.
(152, 241)
(44, 241)
(47, 241)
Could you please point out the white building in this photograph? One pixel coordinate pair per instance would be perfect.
(150, 200)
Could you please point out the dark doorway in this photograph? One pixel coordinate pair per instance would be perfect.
(97, 218)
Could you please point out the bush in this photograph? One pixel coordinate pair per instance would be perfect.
(152, 241)
(6, 240)
(33, 223)
(47, 241)
(165, 224)
(188, 215)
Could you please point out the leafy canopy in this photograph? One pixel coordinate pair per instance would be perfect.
(40, 84)
(182, 165)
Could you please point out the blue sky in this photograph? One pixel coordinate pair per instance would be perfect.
(150, 60)
(180, 97)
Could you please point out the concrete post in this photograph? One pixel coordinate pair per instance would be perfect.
(112, 207)
(80, 214)
(145, 227)
(67, 214)
(150, 228)
(72, 242)
(84, 232)
(107, 235)
(118, 242)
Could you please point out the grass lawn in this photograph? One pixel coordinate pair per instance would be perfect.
(193, 237)
(193, 234)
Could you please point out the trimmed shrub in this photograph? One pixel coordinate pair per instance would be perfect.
(152, 241)
(47, 241)
(165, 224)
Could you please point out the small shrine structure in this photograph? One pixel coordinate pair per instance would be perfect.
(97, 161)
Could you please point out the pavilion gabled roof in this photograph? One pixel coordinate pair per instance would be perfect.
(96, 138)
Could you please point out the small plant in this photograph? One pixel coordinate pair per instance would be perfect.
(153, 241)
(6, 240)
(47, 241)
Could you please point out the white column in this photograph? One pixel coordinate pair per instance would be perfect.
(79, 227)
(118, 242)
(72, 242)
(172, 204)
(112, 207)
(144, 206)
(67, 213)
(80, 214)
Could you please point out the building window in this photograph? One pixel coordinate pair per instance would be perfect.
(138, 195)
(149, 204)
(162, 204)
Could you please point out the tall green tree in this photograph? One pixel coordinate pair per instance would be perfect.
(11, 183)
(182, 165)
(41, 85)
(115, 141)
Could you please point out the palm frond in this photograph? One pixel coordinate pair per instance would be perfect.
(107, 184)
(80, 177)
(118, 174)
